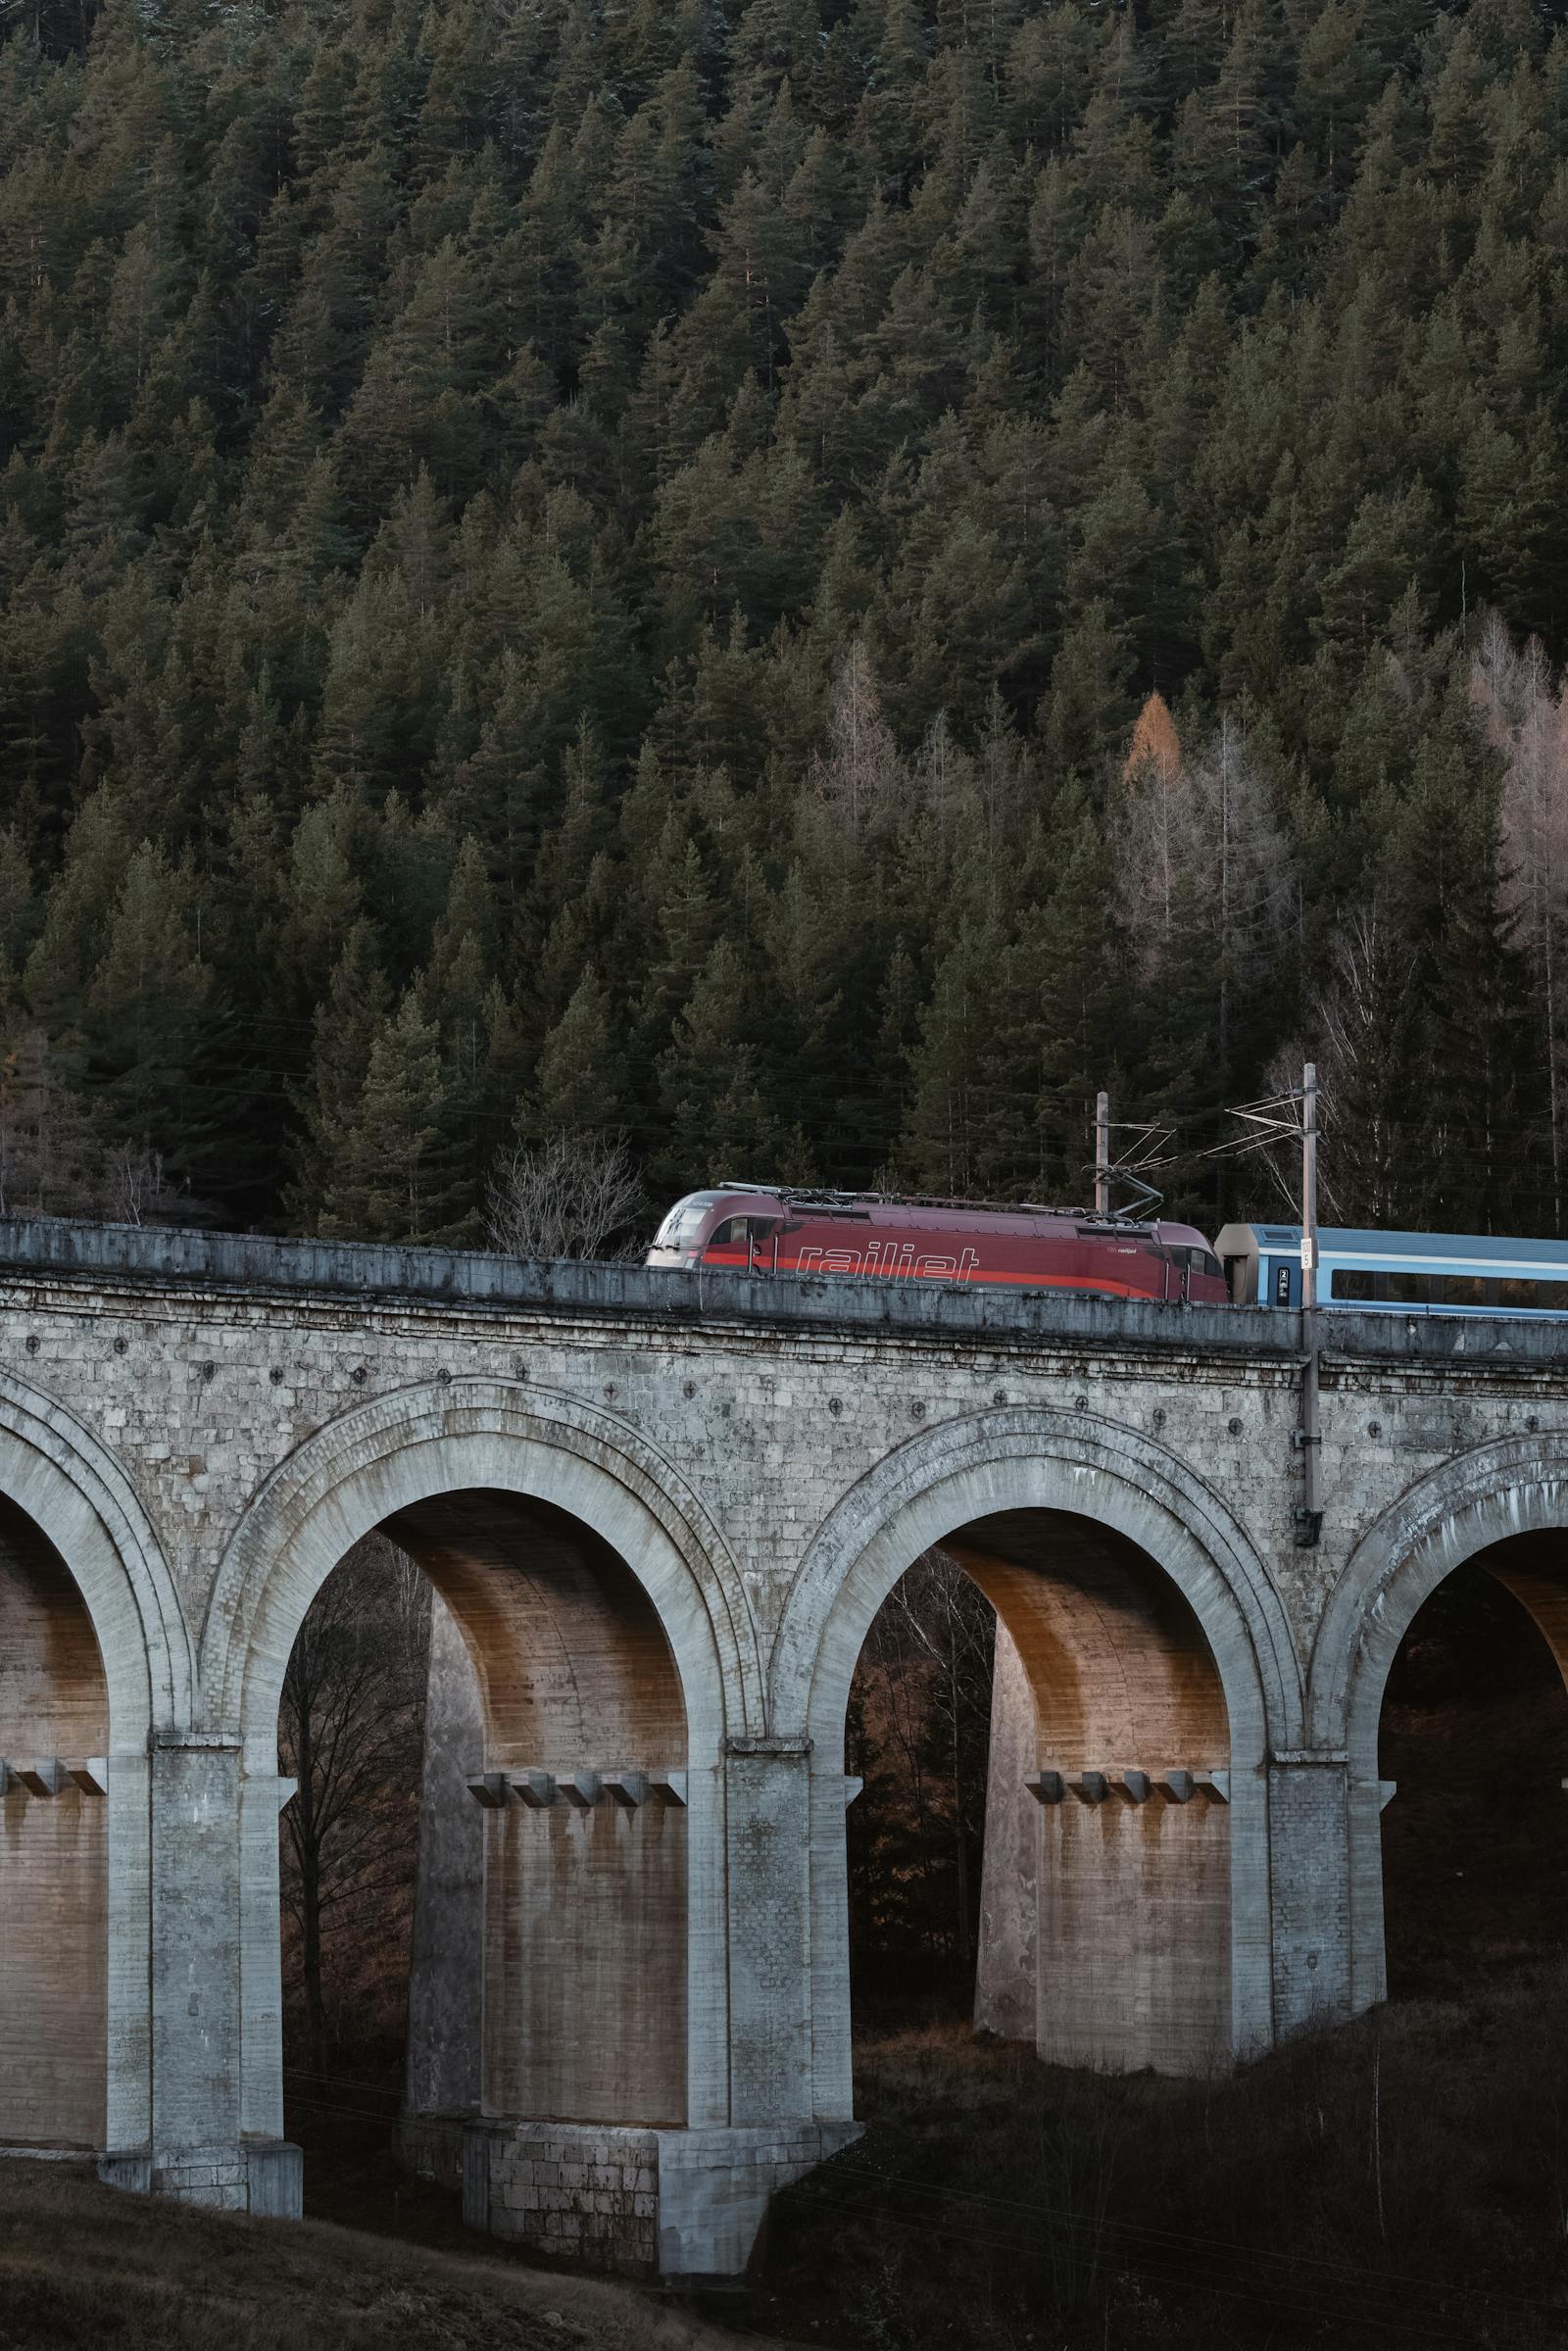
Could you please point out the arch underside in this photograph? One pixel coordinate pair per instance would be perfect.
(1473, 1745)
(1117, 1893)
(1534, 1567)
(54, 1849)
(1479, 1506)
(1151, 1623)
(569, 1658)
(561, 1926)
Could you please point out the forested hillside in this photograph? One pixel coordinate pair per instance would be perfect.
(595, 567)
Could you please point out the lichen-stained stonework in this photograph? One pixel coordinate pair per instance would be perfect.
(662, 1511)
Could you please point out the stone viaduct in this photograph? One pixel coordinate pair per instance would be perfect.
(662, 1511)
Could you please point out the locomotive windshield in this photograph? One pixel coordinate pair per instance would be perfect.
(682, 1227)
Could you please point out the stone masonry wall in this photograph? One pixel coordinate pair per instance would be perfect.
(589, 2196)
(638, 2203)
(180, 1414)
(770, 1399)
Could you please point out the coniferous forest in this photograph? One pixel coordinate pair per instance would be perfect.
(803, 581)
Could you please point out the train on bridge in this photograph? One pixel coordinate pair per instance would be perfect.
(774, 1229)
(751, 1228)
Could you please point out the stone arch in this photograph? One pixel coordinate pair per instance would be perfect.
(1018, 1458)
(78, 1495)
(1079, 1468)
(393, 1460)
(1513, 1486)
(91, 1589)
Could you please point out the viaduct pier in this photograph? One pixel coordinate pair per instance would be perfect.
(660, 1511)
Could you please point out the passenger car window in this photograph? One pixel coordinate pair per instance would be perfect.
(1539, 1298)
(1464, 1290)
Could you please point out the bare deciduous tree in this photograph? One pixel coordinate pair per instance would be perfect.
(46, 1149)
(1525, 716)
(1360, 1023)
(860, 773)
(55, 1162)
(1196, 842)
(135, 1188)
(921, 1728)
(568, 1197)
(351, 1731)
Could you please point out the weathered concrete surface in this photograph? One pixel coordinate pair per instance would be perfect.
(54, 1846)
(1006, 1997)
(662, 1511)
(1125, 1894)
(445, 1961)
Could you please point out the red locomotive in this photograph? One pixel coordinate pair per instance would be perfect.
(755, 1228)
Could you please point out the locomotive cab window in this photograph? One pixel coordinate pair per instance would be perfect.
(732, 1232)
(736, 1232)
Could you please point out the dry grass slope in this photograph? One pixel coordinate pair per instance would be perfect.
(1399, 2181)
(85, 2267)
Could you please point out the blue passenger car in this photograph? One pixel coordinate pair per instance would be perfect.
(1405, 1273)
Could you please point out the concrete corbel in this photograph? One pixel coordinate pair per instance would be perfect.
(628, 1789)
(536, 1790)
(489, 1789)
(45, 1778)
(1091, 1788)
(668, 1787)
(1216, 1784)
(1177, 1785)
(1135, 1785)
(581, 1790)
(1046, 1788)
(91, 1776)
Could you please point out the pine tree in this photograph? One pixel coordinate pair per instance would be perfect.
(580, 1086)
(711, 1084)
(152, 1023)
(387, 1178)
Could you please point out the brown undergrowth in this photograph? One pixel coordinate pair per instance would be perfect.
(87, 2268)
(1403, 2181)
